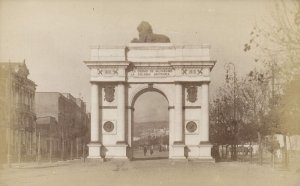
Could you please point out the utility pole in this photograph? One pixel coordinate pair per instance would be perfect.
(50, 150)
(273, 108)
(83, 152)
(77, 148)
(9, 118)
(71, 151)
(62, 143)
(20, 146)
(39, 148)
(227, 67)
(273, 105)
(35, 139)
(50, 142)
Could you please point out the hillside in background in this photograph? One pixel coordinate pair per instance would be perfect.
(139, 127)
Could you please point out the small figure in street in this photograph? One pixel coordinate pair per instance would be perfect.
(145, 150)
(151, 150)
(250, 150)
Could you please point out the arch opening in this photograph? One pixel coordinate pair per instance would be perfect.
(150, 125)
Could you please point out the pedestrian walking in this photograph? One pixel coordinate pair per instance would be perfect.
(151, 150)
(145, 150)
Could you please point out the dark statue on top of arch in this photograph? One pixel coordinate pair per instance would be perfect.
(146, 35)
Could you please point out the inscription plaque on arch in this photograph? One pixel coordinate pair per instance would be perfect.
(165, 71)
(152, 72)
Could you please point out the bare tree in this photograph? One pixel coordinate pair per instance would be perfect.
(276, 45)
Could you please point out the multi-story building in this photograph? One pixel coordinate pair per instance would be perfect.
(72, 120)
(17, 112)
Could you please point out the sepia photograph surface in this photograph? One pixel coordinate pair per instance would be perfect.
(140, 92)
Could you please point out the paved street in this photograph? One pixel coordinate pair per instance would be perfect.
(139, 155)
(151, 172)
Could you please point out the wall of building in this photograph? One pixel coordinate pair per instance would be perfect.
(72, 120)
(17, 111)
(47, 104)
(49, 137)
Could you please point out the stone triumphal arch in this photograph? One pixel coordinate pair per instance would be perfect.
(120, 74)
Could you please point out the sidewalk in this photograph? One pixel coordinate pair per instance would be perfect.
(42, 164)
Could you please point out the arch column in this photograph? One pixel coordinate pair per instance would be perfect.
(121, 113)
(120, 149)
(178, 138)
(205, 112)
(94, 145)
(205, 146)
(130, 112)
(178, 145)
(171, 130)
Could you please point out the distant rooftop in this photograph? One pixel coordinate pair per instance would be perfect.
(78, 101)
(18, 68)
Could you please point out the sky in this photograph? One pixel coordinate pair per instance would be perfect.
(54, 37)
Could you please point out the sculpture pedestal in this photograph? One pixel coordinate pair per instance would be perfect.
(178, 151)
(205, 152)
(201, 152)
(117, 151)
(193, 151)
(94, 151)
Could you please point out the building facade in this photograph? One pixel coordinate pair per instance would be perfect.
(48, 137)
(72, 121)
(17, 112)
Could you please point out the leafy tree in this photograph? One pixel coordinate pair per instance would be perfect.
(251, 104)
(224, 127)
(290, 108)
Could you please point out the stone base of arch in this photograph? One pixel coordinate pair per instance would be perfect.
(201, 152)
(120, 74)
(117, 151)
(178, 151)
(94, 150)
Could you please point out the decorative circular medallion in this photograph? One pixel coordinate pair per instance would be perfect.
(108, 126)
(191, 126)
